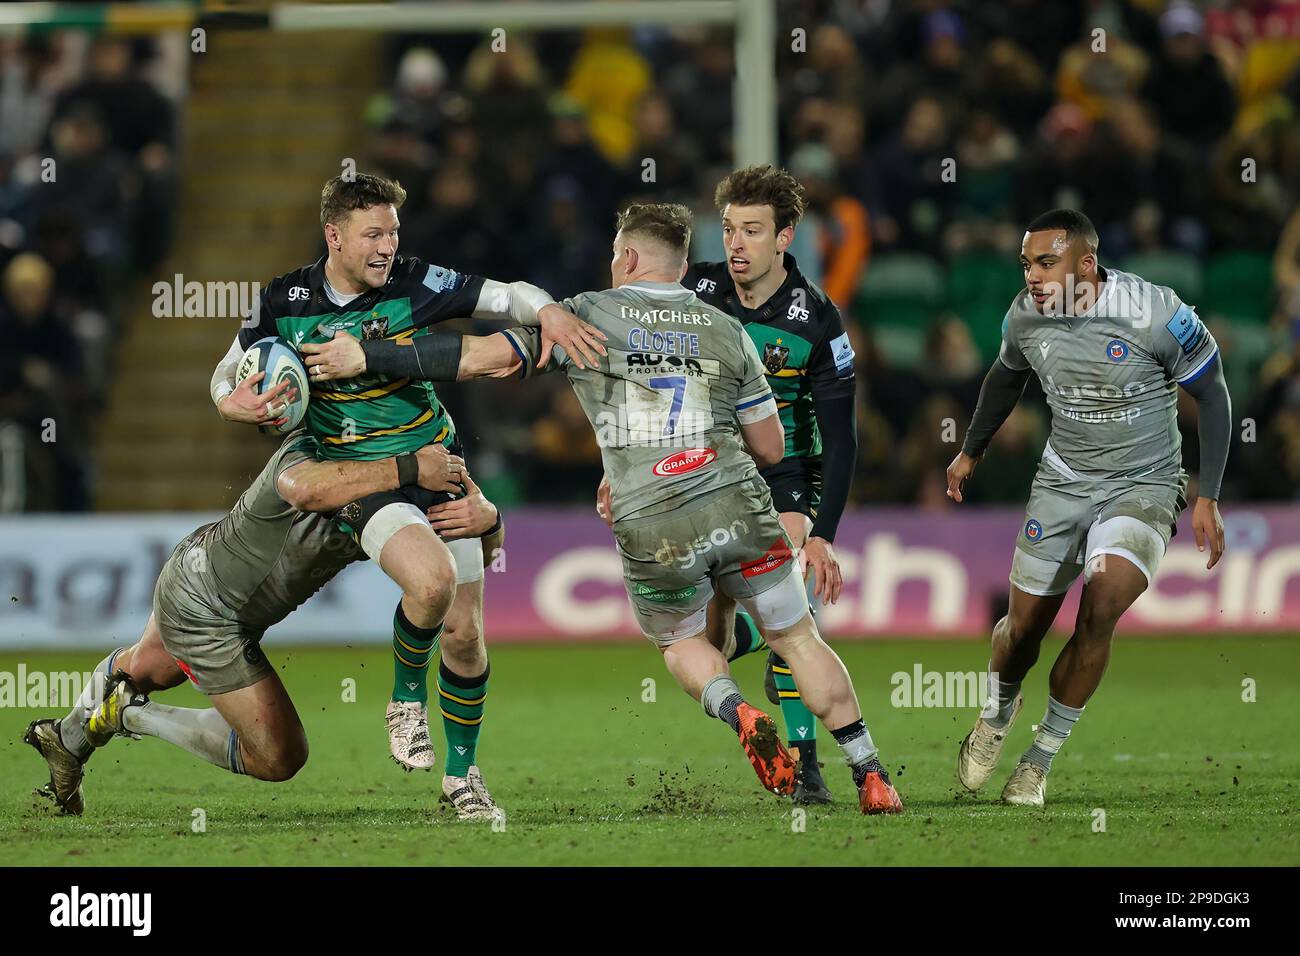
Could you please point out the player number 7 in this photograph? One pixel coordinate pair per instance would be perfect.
(678, 384)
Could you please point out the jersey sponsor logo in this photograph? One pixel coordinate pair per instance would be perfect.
(775, 355)
(706, 285)
(1033, 530)
(664, 595)
(798, 311)
(440, 279)
(299, 293)
(376, 328)
(1187, 328)
(684, 555)
(684, 462)
(842, 352)
(775, 556)
(1117, 350)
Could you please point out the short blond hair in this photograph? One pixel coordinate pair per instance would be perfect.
(667, 223)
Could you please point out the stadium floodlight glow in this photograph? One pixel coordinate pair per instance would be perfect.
(754, 21)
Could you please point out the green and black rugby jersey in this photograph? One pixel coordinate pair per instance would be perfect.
(370, 416)
(800, 339)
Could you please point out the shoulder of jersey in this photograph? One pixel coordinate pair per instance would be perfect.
(706, 278)
(292, 289)
(1161, 297)
(821, 303)
(1021, 307)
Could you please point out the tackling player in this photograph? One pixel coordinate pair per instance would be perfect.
(361, 286)
(694, 522)
(218, 592)
(1110, 350)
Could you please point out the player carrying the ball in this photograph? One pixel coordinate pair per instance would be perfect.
(1110, 350)
(682, 411)
(362, 287)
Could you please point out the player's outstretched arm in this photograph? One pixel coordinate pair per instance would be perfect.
(436, 357)
(1214, 426)
(999, 394)
(326, 486)
(527, 305)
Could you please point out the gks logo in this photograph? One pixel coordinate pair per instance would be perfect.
(684, 462)
(1116, 350)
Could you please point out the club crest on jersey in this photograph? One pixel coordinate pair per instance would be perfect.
(775, 356)
(1033, 530)
(1116, 350)
(373, 329)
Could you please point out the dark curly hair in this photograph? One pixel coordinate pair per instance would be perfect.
(765, 185)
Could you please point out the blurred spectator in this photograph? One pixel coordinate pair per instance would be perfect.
(914, 196)
(676, 156)
(841, 224)
(566, 459)
(607, 79)
(458, 228)
(40, 374)
(701, 92)
(1187, 86)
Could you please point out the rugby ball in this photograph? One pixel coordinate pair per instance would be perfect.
(274, 356)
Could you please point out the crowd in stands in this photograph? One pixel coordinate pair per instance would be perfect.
(1140, 113)
(86, 204)
(926, 133)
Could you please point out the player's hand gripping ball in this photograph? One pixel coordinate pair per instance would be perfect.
(274, 356)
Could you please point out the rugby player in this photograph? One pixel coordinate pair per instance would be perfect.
(691, 523)
(363, 287)
(1110, 351)
(806, 355)
(809, 366)
(218, 592)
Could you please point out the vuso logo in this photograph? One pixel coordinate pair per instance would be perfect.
(684, 462)
(1116, 350)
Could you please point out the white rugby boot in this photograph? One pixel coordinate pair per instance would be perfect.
(469, 795)
(408, 735)
(1027, 786)
(982, 748)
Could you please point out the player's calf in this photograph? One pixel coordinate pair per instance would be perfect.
(829, 695)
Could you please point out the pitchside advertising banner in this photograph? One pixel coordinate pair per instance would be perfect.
(87, 580)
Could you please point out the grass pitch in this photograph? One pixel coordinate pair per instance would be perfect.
(1184, 771)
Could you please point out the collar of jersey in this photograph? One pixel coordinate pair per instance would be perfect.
(661, 288)
(1107, 290)
(316, 280)
(769, 308)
